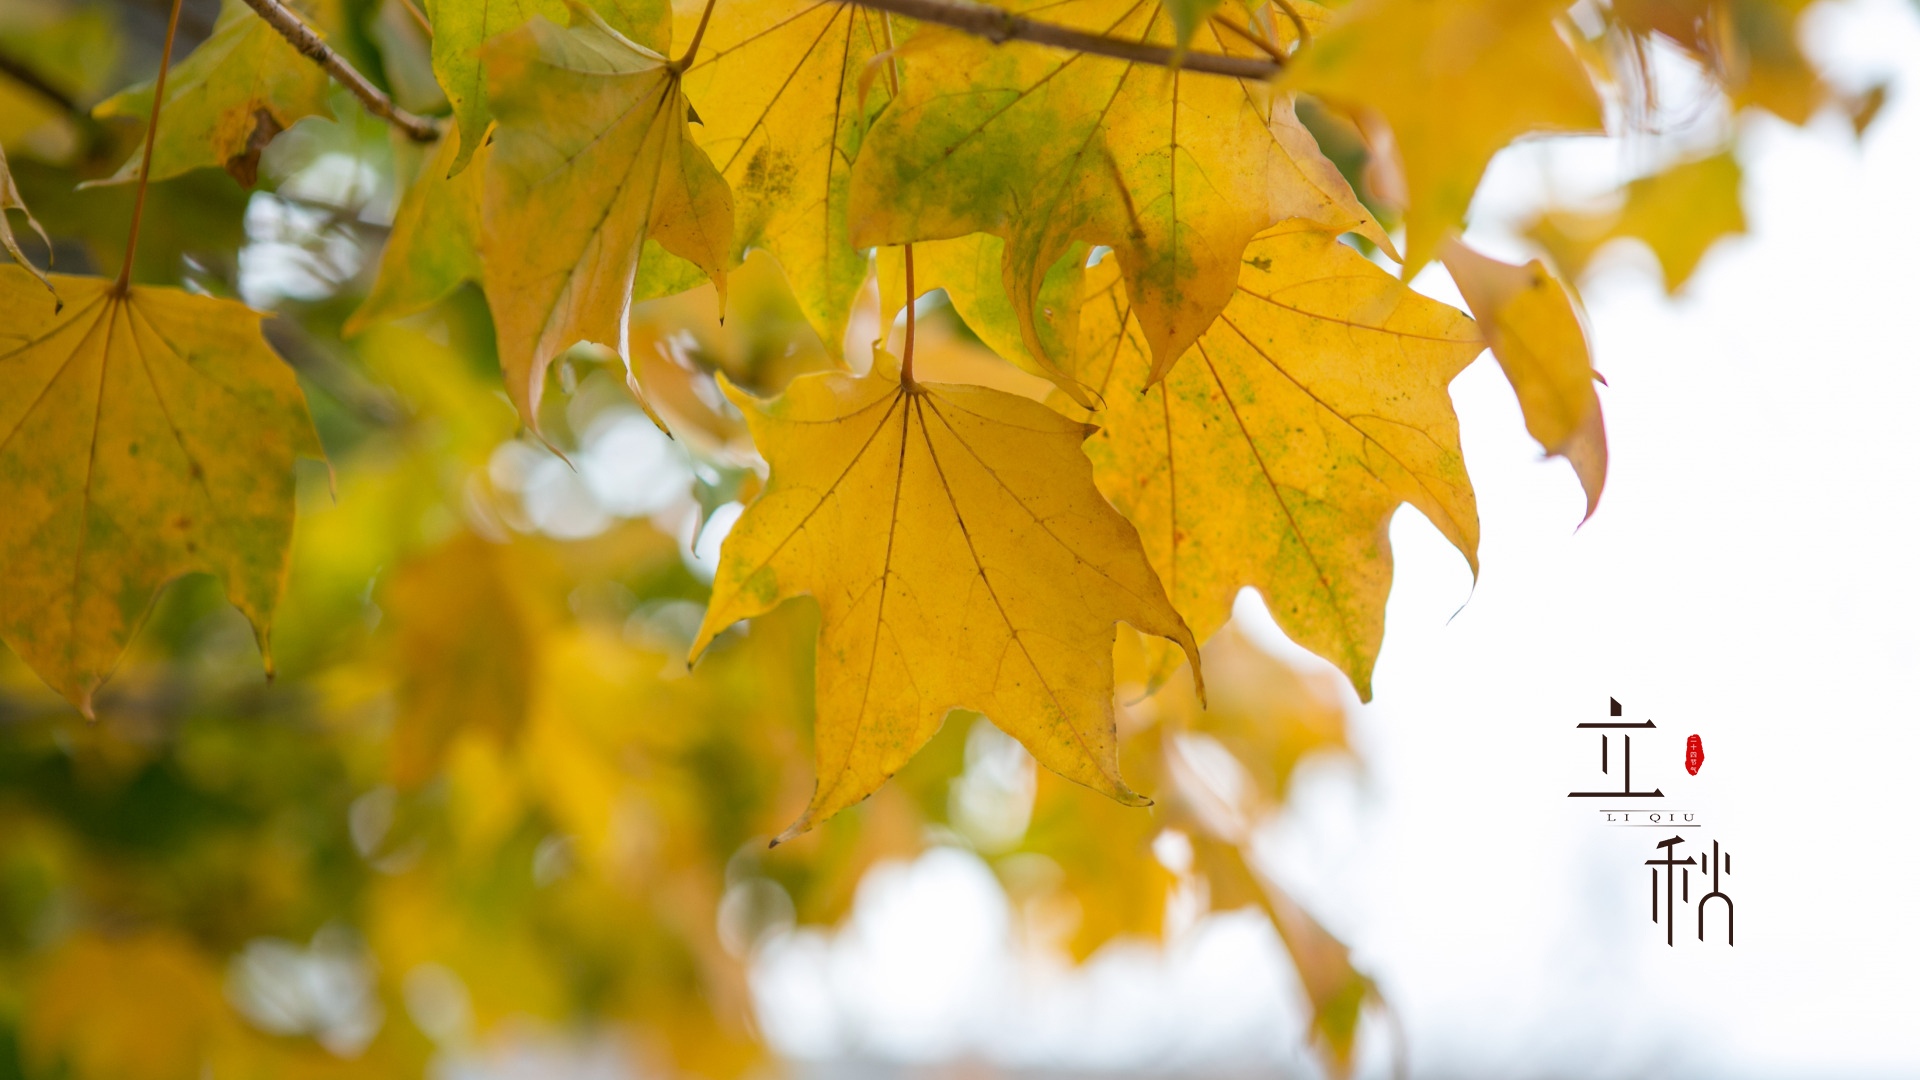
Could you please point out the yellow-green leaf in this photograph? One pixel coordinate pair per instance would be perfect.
(779, 89)
(461, 27)
(434, 243)
(961, 558)
(226, 101)
(142, 437)
(1175, 171)
(1535, 330)
(1277, 450)
(591, 157)
(1456, 80)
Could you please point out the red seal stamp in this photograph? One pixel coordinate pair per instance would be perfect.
(1695, 755)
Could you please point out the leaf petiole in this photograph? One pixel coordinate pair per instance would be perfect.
(146, 155)
(693, 46)
(906, 349)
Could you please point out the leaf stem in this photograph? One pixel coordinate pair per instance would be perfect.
(906, 349)
(302, 37)
(146, 155)
(699, 31)
(1000, 27)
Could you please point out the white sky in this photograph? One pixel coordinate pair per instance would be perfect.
(1749, 577)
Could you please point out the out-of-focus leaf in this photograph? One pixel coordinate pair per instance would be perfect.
(1750, 47)
(466, 654)
(1536, 332)
(1443, 73)
(1268, 714)
(1336, 990)
(434, 245)
(73, 49)
(1680, 213)
(146, 1007)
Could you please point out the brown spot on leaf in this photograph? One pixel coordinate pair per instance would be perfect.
(245, 165)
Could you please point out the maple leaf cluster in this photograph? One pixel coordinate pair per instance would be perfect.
(1039, 319)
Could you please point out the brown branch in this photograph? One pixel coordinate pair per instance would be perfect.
(302, 37)
(1000, 27)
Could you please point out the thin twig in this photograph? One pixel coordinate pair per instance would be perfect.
(146, 163)
(302, 37)
(1000, 27)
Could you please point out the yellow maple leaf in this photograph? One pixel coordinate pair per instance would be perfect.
(778, 87)
(1175, 171)
(226, 101)
(1536, 332)
(1276, 452)
(961, 558)
(591, 156)
(461, 27)
(1679, 213)
(1456, 80)
(143, 435)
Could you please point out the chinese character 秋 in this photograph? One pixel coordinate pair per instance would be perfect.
(1720, 862)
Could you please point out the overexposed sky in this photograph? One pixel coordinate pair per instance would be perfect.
(1749, 577)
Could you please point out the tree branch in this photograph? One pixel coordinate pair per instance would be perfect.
(1000, 27)
(302, 37)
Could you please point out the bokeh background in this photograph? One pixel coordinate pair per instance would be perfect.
(484, 823)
